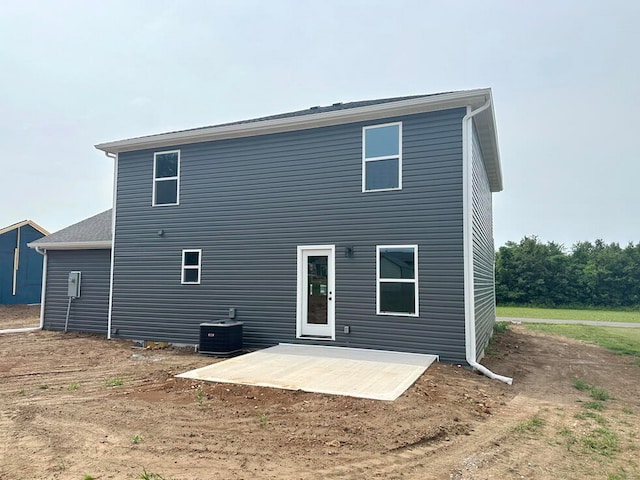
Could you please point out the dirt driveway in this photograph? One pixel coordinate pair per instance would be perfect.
(78, 407)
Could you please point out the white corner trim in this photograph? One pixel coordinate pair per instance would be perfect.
(43, 292)
(113, 242)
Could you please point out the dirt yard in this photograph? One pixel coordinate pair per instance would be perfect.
(19, 316)
(80, 407)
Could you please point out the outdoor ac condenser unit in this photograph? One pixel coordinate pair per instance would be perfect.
(221, 339)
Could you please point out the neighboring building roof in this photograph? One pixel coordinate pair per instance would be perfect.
(92, 233)
(31, 223)
(336, 114)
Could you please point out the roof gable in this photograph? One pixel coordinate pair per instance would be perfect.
(31, 223)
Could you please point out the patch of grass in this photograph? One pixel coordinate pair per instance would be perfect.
(569, 437)
(531, 425)
(22, 392)
(599, 394)
(150, 476)
(623, 341)
(199, 396)
(601, 440)
(44, 386)
(74, 386)
(500, 327)
(581, 385)
(136, 439)
(88, 477)
(617, 476)
(595, 405)
(627, 316)
(593, 415)
(627, 410)
(263, 420)
(114, 382)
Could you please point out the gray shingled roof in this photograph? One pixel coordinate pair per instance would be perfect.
(329, 108)
(93, 231)
(301, 113)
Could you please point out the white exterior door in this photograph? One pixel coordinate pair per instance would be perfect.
(316, 292)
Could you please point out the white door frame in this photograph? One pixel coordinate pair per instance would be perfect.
(302, 288)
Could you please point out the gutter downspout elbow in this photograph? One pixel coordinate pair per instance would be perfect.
(485, 371)
(470, 327)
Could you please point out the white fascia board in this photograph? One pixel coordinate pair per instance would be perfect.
(488, 135)
(71, 245)
(473, 98)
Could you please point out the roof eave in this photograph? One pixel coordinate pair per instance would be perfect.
(473, 98)
(97, 245)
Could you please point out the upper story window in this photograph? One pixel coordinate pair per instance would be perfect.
(191, 263)
(397, 280)
(382, 157)
(166, 178)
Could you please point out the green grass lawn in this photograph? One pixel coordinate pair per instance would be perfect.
(569, 314)
(624, 341)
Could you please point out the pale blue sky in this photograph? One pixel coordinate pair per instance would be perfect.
(565, 78)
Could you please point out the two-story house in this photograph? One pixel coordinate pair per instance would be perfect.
(364, 224)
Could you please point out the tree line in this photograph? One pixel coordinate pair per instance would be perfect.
(596, 274)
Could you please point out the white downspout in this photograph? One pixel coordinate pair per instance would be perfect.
(469, 308)
(114, 157)
(44, 285)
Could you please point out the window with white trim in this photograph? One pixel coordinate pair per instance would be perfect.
(191, 266)
(166, 178)
(382, 157)
(397, 280)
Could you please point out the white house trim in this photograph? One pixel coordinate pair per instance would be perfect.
(98, 245)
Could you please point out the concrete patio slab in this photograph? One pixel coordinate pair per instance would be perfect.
(353, 372)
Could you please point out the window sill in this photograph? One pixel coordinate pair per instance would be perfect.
(392, 314)
(382, 190)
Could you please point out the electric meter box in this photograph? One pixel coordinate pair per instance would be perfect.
(73, 285)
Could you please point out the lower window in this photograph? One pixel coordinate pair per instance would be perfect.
(191, 263)
(397, 280)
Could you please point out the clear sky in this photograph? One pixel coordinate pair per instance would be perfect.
(565, 77)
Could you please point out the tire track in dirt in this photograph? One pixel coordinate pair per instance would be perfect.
(421, 461)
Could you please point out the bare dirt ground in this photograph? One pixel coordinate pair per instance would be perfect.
(19, 316)
(76, 405)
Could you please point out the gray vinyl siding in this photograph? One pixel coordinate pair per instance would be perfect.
(89, 313)
(249, 202)
(483, 251)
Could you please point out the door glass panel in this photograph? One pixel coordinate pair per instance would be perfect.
(317, 279)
